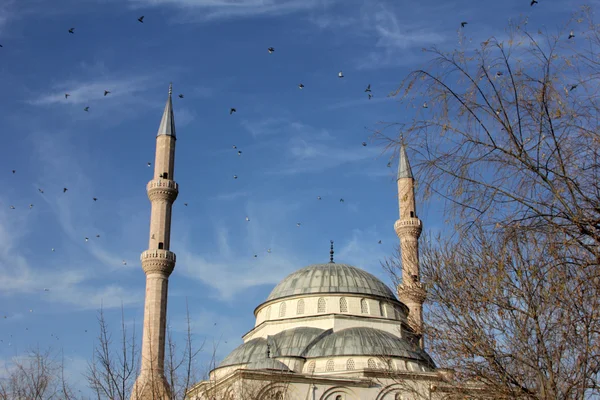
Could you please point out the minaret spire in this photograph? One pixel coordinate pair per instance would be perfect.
(408, 228)
(158, 263)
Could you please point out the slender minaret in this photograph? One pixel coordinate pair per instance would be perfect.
(408, 228)
(158, 262)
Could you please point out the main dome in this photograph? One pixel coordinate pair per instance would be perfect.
(331, 278)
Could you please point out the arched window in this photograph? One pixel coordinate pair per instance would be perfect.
(268, 313)
(371, 364)
(398, 396)
(396, 313)
(311, 367)
(278, 395)
(329, 366)
(343, 305)
(339, 397)
(300, 307)
(350, 364)
(364, 307)
(381, 309)
(321, 305)
(282, 310)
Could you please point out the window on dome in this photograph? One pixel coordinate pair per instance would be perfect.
(364, 307)
(311, 367)
(339, 397)
(282, 310)
(321, 305)
(329, 366)
(398, 397)
(343, 305)
(300, 307)
(350, 364)
(371, 364)
(381, 309)
(268, 313)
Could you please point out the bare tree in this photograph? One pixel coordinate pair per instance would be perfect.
(113, 370)
(507, 135)
(36, 376)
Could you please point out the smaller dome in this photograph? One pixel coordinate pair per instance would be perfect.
(294, 342)
(253, 350)
(268, 363)
(362, 341)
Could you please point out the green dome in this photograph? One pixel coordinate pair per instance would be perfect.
(331, 278)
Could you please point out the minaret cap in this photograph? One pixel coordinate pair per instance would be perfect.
(167, 123)
(404, 170)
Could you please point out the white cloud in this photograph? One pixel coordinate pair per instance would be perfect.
(222, 9)
(91, 92)
(231, 257)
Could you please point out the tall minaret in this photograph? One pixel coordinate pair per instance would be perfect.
(408, 228)
(158, 262)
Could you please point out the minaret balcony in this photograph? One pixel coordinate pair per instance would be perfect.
(411, 227)
(162, 189)
(158, 261)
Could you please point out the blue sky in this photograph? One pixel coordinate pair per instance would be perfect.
(296, 145)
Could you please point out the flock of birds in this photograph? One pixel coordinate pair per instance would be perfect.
(232, 110)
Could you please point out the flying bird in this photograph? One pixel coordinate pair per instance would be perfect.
(14, 171)
(389, 164)
(149, 164)
(124, 262)
(425, 105)
(364, 144)
(41, 190)
(67, 95)
(232, 110)
(72, 30)
(1, 45)
(97, 236)
(234, 146)
(95, 199)
(12, 207)
(300, 86)
(318, 197)
(340, 74)
(86, 239)
(235, 177)
(106, 92)
(86, 109)
(368, 89)
(573, 87)
(379, 242)
(268, 250)
(370, 96)
(571, 35)
(533, 2)
(141, 19)
(462, 24)
(271, 50)
(341, 200)
(30, 206)
(298, 224)
(181, 96)
(65, 190)
(46, 290)
(185, 204)
(239, 152)
(499, 73)
(53, 249)
(247, 219)
(256, 255)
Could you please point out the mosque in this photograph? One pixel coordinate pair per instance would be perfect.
(326, 332)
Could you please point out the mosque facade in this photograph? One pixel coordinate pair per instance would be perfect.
(335, 332)
(328, 331)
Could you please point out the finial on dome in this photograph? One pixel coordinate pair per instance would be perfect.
(170, 88)
(331, 252)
